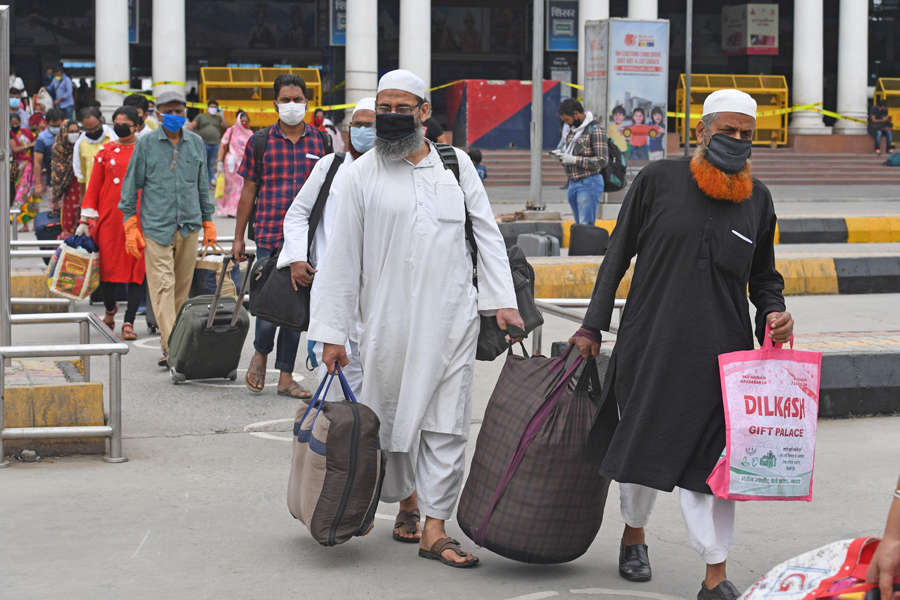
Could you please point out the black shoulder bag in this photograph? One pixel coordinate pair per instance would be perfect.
(272, 295)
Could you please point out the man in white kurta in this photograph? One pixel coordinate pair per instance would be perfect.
(296, 230)
(398, 255)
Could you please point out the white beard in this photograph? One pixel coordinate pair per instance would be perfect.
(397, 149)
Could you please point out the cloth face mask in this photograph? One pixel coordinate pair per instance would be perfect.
(14, 103)
(54, 130)
(728, 154)
(292, 112)
(73, 137)
(122, 131)
(173, 123)
(362, 138)
(391, 127)
(94, 134)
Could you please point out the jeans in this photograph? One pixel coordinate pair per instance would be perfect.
(886, 132)
(288, 339)
(212, 153)
(584, 196)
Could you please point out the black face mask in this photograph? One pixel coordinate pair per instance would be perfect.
(576, 123)
(728, 154)
(14, 129)
(391, 127)
(94, 134)
(122, 130)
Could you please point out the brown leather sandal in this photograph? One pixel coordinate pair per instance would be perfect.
(128, 332)
(110, 318)
(410, 520)
(448, 543)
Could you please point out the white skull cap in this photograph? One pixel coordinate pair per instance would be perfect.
(364, 104)
(730, 100)
(403, 80)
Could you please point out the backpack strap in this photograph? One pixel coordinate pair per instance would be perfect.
(260, 141)
(326, 142)
(451, 163)
(315, 215)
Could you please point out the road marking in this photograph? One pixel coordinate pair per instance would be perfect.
(149, 343)
(535, 596)
(620, 593)
(141, 545)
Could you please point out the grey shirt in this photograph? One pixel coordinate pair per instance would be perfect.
(173, 184)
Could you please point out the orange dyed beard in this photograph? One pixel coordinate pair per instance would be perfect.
(735, 187)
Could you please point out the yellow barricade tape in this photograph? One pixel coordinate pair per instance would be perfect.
(439, 87)
(829, 113)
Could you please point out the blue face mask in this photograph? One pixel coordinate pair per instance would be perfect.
(362, 138)
(14, 103)
(173, 123)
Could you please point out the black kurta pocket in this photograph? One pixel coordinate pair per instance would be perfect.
(732, 252)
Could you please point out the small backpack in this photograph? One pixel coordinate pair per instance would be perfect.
(893, 160)
(614, 173)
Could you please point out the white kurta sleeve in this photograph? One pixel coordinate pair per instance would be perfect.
(76, 162)
(337, 284)
(296, 220)
(495, 285)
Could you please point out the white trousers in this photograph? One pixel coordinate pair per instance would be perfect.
(435, 472)
(353, 372)
(709, 520)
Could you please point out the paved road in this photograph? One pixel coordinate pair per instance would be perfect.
(199, 510)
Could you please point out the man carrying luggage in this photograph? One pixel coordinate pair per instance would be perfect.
(297, 221)
(584, 156)
(703, 232)
(398, 258)
(291, 151)
(168, 167)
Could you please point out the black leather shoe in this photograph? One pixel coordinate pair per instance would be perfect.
(723, 591)
(634, 562)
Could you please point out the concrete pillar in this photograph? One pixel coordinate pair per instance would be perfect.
(415, 38)
(362, 49)
(588, 10)
(643, 9)
(807, 86)
(110, 50)
(853, 66)
(168, 42)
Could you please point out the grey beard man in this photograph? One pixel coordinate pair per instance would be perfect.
(397, 149)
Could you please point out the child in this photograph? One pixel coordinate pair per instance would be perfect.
(657, 151)
(475, 155)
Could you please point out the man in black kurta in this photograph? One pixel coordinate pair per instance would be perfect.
(703, 232)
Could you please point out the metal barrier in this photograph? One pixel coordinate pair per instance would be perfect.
(110, 346)
(888, 89)
(32, 248)
(14, 222)
(561, 307)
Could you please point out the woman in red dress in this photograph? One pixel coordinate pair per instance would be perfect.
(100, 215)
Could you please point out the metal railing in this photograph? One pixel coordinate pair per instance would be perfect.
(562, 307)
(33, 248)
(111, 347)
(14, 223)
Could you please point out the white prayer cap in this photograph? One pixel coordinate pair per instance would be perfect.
(364, 104)
(730, 100)
(403, 80)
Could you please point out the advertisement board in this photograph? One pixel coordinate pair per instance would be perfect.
(596, 65)
(562, 26)
(338, 20)
(637, 87)
(750, 29)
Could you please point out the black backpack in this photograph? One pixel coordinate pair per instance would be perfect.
(614, 172)
(259, 141)
(491, 339)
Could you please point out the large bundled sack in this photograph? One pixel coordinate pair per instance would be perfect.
(534, 492)
(74, 271)
(337, 466)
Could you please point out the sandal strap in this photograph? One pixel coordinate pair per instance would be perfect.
(408, 518)
(448, 543)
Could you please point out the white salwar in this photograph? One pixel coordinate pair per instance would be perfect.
(296, 230)
(399, 254)
(709, 520)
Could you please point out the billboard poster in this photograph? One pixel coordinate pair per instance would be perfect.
(637, 89)
(596, 65)
(338, 20)
(562, 26)
(750, 29)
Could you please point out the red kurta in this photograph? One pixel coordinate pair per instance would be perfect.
(104, 191)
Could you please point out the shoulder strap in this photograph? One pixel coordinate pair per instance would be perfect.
(451, 163)
(319, 207)
(260, 141)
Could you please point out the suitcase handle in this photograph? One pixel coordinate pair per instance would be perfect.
(214, 307)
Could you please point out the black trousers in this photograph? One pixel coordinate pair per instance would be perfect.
(134, 294)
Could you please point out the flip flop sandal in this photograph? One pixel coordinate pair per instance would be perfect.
(447, 543)
(128, 332)
(110, 318)
(296, 391)
(255, 388)
(410, 520)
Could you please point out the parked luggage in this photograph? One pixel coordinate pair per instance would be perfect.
(208, 336)
(615, 172)
(534, 493)
(587, 240)
(47, 226)
(538, 244)
(337, 466)
(491, 339)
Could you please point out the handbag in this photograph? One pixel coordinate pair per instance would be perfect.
(272, 294)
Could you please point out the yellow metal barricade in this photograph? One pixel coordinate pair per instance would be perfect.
(888, 88)
(250, 89)
(769, 91)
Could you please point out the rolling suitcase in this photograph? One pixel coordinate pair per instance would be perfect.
(588, 240)
(149, 315)
(47, 227)
(208, 336)
(538, 244)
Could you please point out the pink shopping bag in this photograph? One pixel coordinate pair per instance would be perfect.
(771, 399)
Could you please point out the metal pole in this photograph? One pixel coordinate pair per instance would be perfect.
(3, 463)
(115, 410)
(535, 201)
(5, 327)
(688, 42)
(84, 337)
